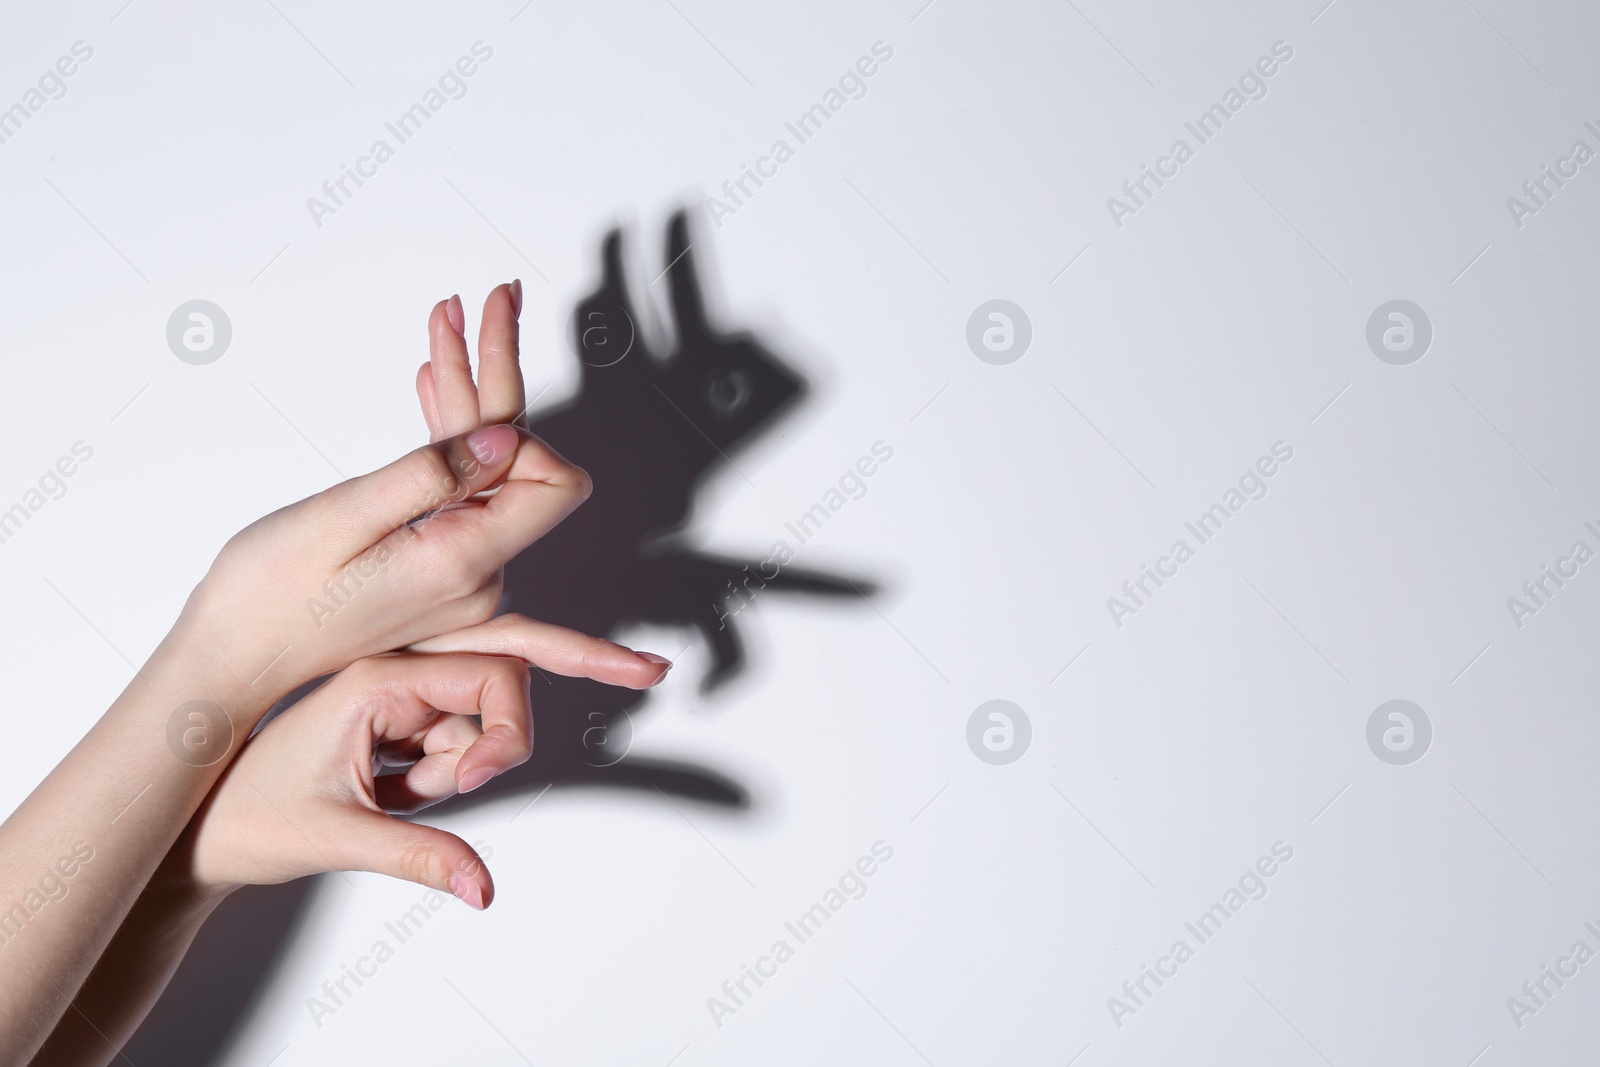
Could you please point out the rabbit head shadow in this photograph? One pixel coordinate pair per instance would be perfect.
(650, 428)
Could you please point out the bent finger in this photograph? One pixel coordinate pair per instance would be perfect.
(432, 776)
(426, 855)
(541, 488)
(372, 506)
(419, 686)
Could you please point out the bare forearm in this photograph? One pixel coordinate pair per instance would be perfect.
(131, 974)
(79, 850)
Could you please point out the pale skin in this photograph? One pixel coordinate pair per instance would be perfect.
(170, 839)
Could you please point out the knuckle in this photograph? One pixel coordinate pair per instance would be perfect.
(511, 670)
(438, 481)
(462, 573)
(507, 673)
(490, 591)
(516, 748)
(418, 863)
(511, 621)
(591, 653)
(581, 484)
(362, 674)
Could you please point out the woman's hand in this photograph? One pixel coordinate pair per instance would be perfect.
(304, 795)
(400, 556)
(397, 556)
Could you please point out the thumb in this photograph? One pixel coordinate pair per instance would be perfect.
(374, 505)
(426, 855)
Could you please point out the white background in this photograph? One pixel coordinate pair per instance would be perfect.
(1228, 714)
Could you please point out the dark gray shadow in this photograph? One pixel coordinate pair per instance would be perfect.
(651, 427)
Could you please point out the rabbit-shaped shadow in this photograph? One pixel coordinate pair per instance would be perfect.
(650, 429)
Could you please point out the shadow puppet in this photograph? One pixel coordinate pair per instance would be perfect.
(651, 428)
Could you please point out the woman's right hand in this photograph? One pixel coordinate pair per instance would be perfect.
(398, 556)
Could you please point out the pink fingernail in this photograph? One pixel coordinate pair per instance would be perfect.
(663, 662)
(516, 297)
(473, 779)
(453, 312)
(493, 444)
(468, 890)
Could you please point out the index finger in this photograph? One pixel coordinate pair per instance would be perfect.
(420, 685)
(554, 648)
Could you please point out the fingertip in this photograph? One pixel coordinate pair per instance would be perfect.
(513, 299)
(473, 893)
(501, 747)
(443, 338)
(493, 445)
(467, 781)
(455, 315)
(662, 664)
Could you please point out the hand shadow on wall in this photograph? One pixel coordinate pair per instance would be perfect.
(651, 428)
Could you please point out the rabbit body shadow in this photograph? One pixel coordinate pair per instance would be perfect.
(650, 428)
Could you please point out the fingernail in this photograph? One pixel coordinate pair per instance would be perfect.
(516, 297)
(493, 444)
(473, 779)
(453, 312)
(467, 889)
(662, 661)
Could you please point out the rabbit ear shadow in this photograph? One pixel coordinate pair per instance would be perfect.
(658, 422)
(660, 415)
(689, 321)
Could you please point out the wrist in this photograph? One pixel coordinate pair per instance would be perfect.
(250, 658)
(199, 662)
(177, 888)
